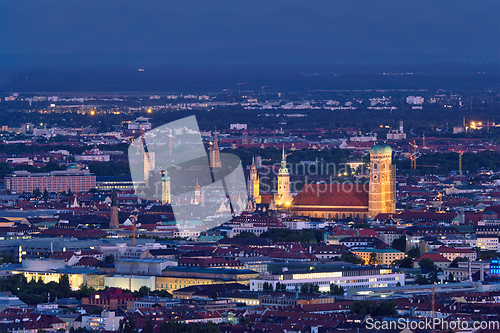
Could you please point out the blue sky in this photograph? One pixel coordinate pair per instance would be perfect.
(248, 32)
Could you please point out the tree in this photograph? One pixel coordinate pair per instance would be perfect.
(36, 192)
(130, 326)
(280, 286)
(351, 258)
(336, 290)
(267, 286)
(427, 264)
(143, 291)
(406, 262)
(414, 252)
(384, 308)
(455, 261)
(309, 288)
(487, 255)
(148, 326)
(399, 243)
(64, 286)
(45, 194)
(246, 234)
(373, 259)
(451, 278)
(213, 295)
(422, 280)
(109, 259)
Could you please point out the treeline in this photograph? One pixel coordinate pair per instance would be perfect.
(274, 155)
(36, 292)
(20, 148)
(6, 169)
(286, 235)
(129, 326)
(363, 308)
(120, 168)
(431, 116)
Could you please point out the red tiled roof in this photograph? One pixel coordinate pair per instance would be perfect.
(435, 257)
(331, 196)
(445, 249)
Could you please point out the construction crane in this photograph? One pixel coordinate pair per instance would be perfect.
(429, 166)
(414, 156)
(239, 86)
(433, 302)
(134, 222)
(460, 153)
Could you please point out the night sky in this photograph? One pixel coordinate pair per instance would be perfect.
(146, 33)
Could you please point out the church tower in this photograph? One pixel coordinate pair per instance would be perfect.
(284, 196)
(214, 153)
(197, 194)
(165, 188)
(382, 181)
(254, 184)
(148, 161)
(113, 220)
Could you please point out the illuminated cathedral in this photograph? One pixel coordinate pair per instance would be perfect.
(282, 198)
(333, 201)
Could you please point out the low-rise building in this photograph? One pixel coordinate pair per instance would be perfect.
(354, 277)
(384, 256)
(107, 321)
(111, 299)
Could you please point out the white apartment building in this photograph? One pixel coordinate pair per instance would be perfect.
(361, 278)
(107, 321)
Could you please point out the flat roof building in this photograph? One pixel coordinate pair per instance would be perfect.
(72, 179)
(354, 277)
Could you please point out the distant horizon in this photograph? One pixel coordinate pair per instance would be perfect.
(274, 78)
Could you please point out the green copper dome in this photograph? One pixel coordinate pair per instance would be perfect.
(381, 148)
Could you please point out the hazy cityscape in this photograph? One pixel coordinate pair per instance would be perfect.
(257, 173)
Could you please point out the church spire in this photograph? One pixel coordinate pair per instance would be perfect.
(283, 169)
(165, 193)
(214, 153)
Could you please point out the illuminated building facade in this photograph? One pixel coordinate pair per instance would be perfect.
(352, 278)
(72, 179)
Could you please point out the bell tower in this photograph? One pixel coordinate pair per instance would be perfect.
(214, 153)
(284, 197)
(382, 181)
(165, 193)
